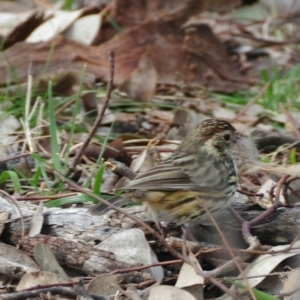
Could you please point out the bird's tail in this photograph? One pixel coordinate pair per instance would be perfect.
(102, 208)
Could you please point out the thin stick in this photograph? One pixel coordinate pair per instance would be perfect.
(247, 224)
(235, 260)
(251, 102)
(118, 209)
(276, 203)
(293, 242)
(5, 194)
(121, 169)
(99, 116)
(250, 193)
(159, 237)
(41, 197)
(291, 120)
(64, 292)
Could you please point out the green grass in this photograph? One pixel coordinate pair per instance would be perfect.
(53, 133)
(68, 4)
(43, 112)
(284, 89)
(11, 176)
(258, 294)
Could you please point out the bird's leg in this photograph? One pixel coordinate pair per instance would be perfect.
(163, 230)
(187, 234)
(184, 235)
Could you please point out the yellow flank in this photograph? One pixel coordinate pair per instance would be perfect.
(185, 209)
(180, 196)
(150, 196)
(170, 200)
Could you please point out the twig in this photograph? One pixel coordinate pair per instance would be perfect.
(251, 102)
(140, 268)
(287, 187)
(291, 120)
(141, 286)
(121, 169)
(211, 279)
(65, 292)
(45, 286)
(246, 225)
(281, 274)
(247, 193)
(118, 209)
(99, 116)
(230, 265)
(5, 194)
(159, 237)
(236, 215)
(12, 157)
(201, 249)
(42, 197)
(276, 203)
(235, 260)
(293, 243)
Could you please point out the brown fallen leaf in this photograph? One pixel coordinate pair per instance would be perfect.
(37, 221)
(114, 150)
(130, 12)
(3, 218)
(15, 263)
(140, 85)
(193, 57)
(23, 29)
(104, 285)
(46, 260)
(33, 279)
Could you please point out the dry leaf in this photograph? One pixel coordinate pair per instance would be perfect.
(3, 218)
(291, 281)
(264, 264)
(60, 21)
(167, 292)
(187, 275)
(139, 161)
(47, 261)
(189, 280)
(173, 59)
(85, 29)
(37, 221)
(131, 247)
(34, 279)
(140, 85)
(15, 263)
(105, 285)
(275, 172)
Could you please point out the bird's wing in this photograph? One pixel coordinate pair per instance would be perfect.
(181, 172)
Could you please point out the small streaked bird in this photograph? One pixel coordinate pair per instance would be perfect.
(200, 174)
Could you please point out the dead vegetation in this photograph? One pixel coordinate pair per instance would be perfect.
(93, 96)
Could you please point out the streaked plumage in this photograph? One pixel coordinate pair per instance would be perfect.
(200, 172)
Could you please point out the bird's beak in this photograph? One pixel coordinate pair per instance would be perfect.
(237, 137)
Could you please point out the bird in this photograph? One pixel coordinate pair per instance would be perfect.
(199, 175)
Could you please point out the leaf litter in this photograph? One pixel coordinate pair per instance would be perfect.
(169, 57)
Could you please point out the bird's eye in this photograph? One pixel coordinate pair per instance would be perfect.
(226, 137)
